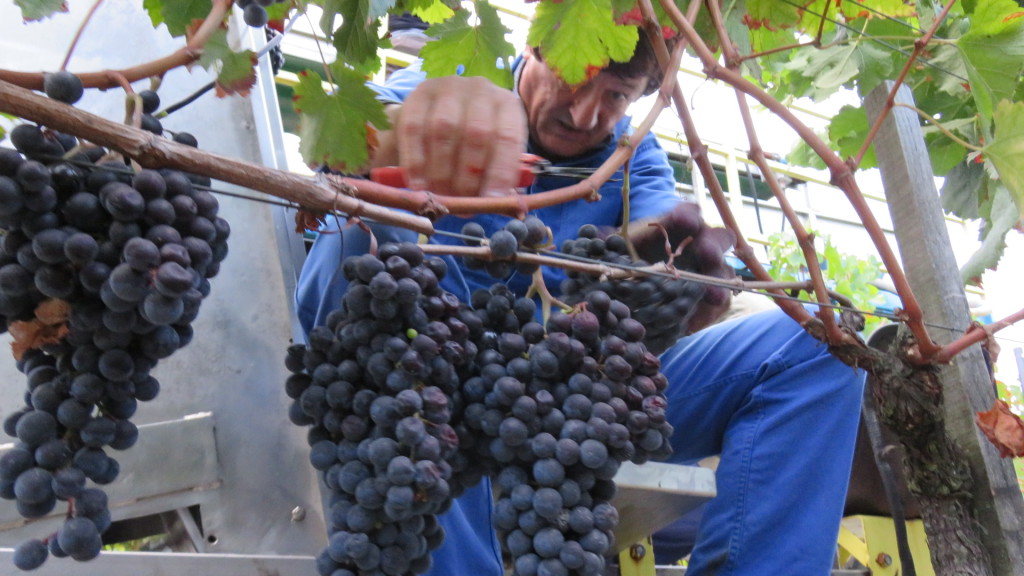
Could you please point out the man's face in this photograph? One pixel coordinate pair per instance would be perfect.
(566, 122)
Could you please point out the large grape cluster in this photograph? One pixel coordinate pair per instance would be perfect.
(379, 384)
(553, 413)
(102, 272)
(662, 303)
(549, 412)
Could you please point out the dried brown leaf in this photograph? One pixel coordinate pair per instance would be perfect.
(1003, 428)
(53, 312)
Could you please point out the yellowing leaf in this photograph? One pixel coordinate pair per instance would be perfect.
(475, 50)
(236, 71)
(876, 9)
(1006, 150)
(772, 14)
(434, 13)
(333, 127)
(576, 37)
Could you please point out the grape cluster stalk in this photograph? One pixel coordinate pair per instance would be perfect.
(102, 272)
(404, 378)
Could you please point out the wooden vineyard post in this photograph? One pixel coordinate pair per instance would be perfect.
(966, 386)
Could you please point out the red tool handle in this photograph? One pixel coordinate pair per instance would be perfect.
(394, 176)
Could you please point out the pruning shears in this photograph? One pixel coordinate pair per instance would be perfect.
(531, 167)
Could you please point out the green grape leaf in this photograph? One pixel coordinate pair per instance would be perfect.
(278, 11)
(993, 51)
(944, 153)
(236, 71)
(847, 132)
(419, 7)
(476, 49)
(379, 8)
(155, 9)
(178, 15)
(961, 188)
(772, 14)
(357, 38)
(871, 8)
(329, 11)
(831, 68)
(579, 38)
(32, 10)
(1002, 219)
(1006, 150)
(337, 129)
(948, 57)
(803, 155)
(434, 13)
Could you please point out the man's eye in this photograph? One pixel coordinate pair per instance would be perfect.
(619, 96)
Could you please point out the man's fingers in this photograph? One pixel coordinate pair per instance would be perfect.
(444, 140)
(509, 141)
(477, 147)
(412, 131)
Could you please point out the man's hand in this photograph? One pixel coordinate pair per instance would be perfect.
(704, 254)
(461, 136)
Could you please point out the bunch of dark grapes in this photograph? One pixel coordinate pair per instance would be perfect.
(378, 385)
(254, 12)
(530, 234)
(663, 304)
(276, 54)
(498, 414)
(552, 414)
(102, 272)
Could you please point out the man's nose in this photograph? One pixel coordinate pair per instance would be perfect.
(585, 108)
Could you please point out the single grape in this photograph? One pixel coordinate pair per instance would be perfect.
(63, 86)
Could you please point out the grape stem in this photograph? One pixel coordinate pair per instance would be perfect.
(78, 34)
(103, 80)
(614, 272)
(540, 288)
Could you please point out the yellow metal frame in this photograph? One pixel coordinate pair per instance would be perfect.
(878, 549)
(638, 559)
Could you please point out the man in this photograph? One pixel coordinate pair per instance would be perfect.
(759, 391)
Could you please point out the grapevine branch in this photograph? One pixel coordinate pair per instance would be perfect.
(919, 46)
(103, 80)
(158, 152)
(756, 153)
(842, 177)
(604, 270)
(78, 33)
(698, 151)
(736, 59)
(363, 197)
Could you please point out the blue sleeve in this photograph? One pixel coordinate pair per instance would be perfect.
(400, 83)
(652, 184)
